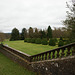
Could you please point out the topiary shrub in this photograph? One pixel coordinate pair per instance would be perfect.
(29, 40)
(52, 42)
(33, 40)
(60, 43)
(61, 38)
(11, 39)
(25, 40)
(38, 41)
(44, 42)
(55, 39)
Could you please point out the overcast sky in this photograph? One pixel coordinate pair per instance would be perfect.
(31, 13)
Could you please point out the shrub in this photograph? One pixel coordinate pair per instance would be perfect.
(60, 43)
(44, 42)
(52, 42)
(55, 39)
(33, 40)
(67, 42)
(38, 41)
(61, 38)
(29, 40)
(25, 40)
(11, 39)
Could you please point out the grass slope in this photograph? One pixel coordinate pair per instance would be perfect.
(7, 67)
(29, 48)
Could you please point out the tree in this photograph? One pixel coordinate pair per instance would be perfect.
(59, 32)
(36, 33)
(14, 34)
(49, 32)
(42, 34)
(30, 32)
(23, 34)
(2, 36)
(70, 21)
(7, 35)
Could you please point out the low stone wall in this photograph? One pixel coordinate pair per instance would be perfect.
(59, 66)
(16, 58)
(63, 66)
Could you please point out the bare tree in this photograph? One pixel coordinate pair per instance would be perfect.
(70, 21)
(2, 36)
(60, 32)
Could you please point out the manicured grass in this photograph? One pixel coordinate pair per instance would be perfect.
(29, 48)
(7, 67)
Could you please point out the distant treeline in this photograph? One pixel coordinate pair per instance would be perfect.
(38, 33)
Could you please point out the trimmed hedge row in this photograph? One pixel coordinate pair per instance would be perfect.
(37, 41)
(44, 41)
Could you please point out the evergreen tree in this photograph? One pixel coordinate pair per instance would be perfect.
(49, 32)
(14, 34)
(36, 33)
(30, 32)
(23, 34)
(42, 34)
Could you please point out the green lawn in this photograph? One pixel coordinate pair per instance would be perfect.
(7, 67)
(29, 48)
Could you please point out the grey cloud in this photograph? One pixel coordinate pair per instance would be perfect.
(35, 13)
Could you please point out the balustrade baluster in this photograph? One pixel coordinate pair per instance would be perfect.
(39, 57)
(49, 57)
(45, 56)
(53, 54)
(62, 54)
(68, 48)
(35, 58)
(42, 56)
(32, 59)
(73, 52)
(58, 53)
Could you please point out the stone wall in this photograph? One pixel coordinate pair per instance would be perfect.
(63, 66)
(16, 58)
(59, 66)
